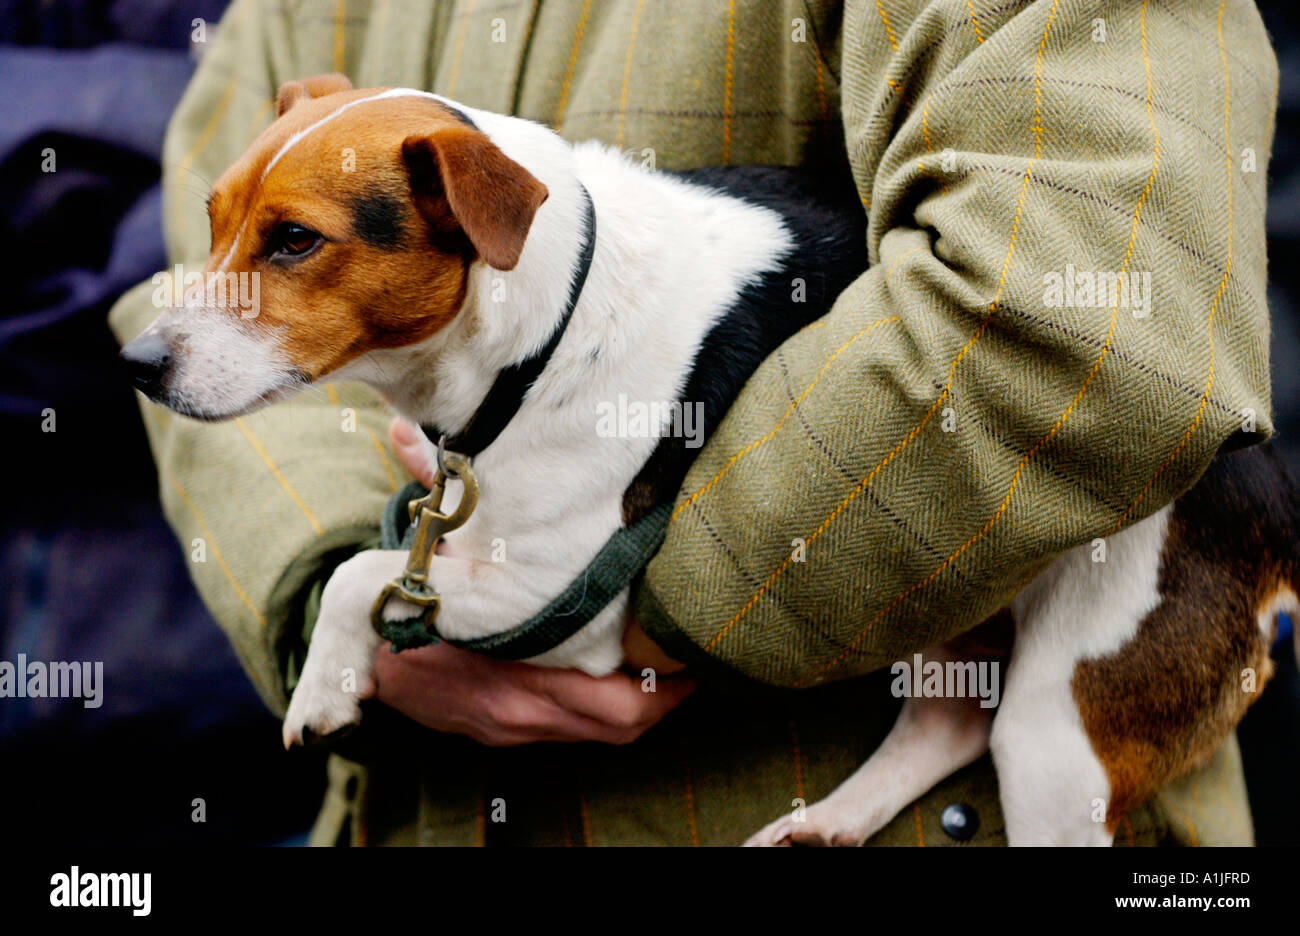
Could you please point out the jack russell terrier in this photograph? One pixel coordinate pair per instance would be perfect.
(463, 255)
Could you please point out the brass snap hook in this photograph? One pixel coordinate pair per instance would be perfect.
(431, 524)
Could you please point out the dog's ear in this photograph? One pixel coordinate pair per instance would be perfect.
(461, 180)
(291, 92)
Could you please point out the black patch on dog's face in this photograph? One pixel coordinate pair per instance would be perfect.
(377, 220)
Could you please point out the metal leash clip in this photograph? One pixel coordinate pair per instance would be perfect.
(430, 526)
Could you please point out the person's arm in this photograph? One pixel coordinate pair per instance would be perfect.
(893, 475)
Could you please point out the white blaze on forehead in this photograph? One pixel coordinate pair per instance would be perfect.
(231, 252)
(390, 93)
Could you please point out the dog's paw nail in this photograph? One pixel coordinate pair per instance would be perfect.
(773, 835)
(311, 737)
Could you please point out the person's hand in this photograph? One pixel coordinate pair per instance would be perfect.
(503, 703)
(499, 702)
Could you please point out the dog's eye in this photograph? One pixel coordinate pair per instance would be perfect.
(294, 240)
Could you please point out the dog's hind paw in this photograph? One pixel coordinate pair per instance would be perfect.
(820, 824)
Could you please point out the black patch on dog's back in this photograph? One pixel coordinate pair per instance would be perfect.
(1245, 508)
(828, 226)
(377, 220)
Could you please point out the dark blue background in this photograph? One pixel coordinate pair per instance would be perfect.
(89, 570)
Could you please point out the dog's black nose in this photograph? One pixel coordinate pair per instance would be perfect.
(147, 359)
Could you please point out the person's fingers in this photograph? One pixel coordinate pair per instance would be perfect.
(551, 722)
(511, 714)
(401, 431)
(502, 703)
(450, 690)
(640, 652)
(411, 449)
(537, 718)
(617, 700)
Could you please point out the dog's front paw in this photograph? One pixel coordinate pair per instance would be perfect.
(317, 711)
(336, 675)
(823, 823)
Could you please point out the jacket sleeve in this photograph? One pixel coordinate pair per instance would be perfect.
(267, 504)
(1063, 320)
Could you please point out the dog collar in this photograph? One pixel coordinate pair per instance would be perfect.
(513, 383)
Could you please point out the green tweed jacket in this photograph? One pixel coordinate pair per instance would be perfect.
(891, 475)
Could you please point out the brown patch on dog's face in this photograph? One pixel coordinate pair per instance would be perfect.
(363, 228)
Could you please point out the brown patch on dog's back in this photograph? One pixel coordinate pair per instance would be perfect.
(1164, 702)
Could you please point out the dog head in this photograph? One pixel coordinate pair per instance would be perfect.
(347, 227)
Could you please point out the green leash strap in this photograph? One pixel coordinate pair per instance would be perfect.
(619, 561)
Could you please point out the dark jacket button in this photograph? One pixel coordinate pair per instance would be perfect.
(960, 821)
